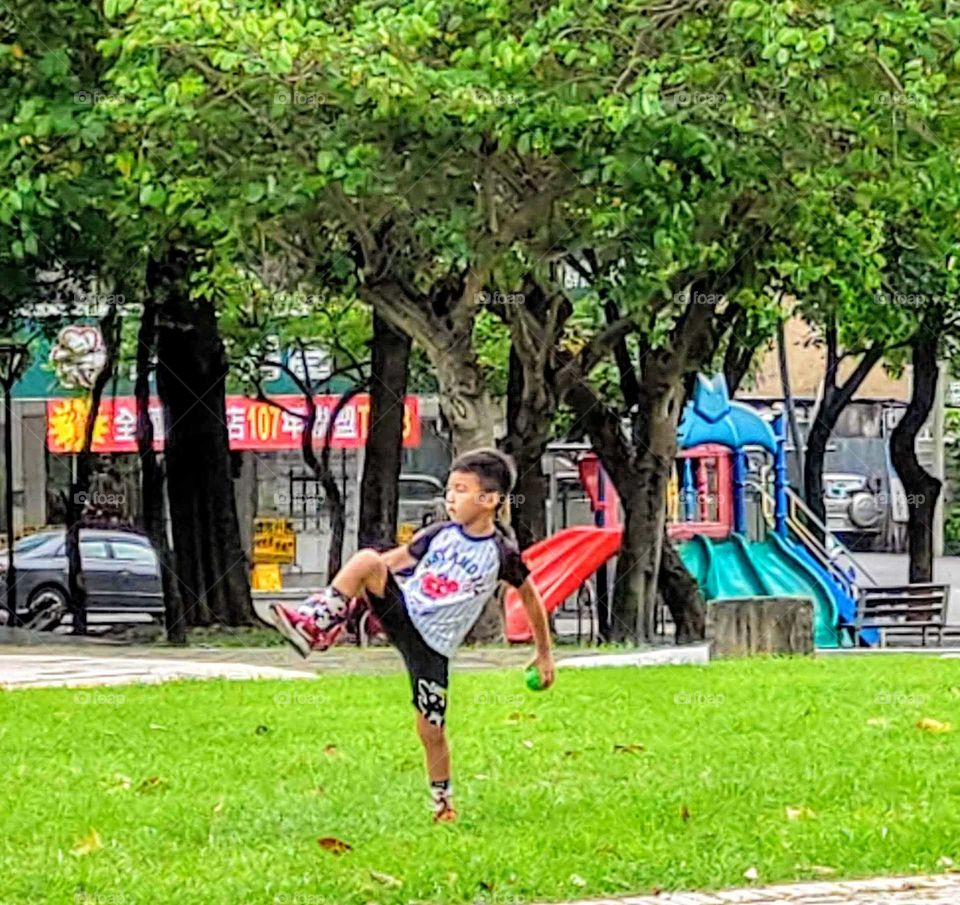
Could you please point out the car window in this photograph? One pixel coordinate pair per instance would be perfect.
(93, 549)
(419, 490)
(131, 552)
(26, 544)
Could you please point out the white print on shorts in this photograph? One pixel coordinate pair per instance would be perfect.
(431, 701)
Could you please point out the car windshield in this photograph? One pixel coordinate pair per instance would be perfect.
(26, 544)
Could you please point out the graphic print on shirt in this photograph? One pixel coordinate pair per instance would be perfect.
(455, 575)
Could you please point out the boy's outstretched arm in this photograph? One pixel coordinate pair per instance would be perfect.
(537, 617)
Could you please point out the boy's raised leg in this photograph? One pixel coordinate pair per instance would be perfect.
(319, 620)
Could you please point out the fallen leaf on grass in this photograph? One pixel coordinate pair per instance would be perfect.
(577, 880)
(262, 730)
(955, 691)
(571, 753)
(334, 846)
(157, 727)
(684, 813)
(480, 776)
(527, 743)
(318, 792)
(628, 749)
(89, 843)
(879, 722)
(927, 724)
(330, 750)
(799, 813)
(386, 879)
(751, 873)
(517, 717)
(822, 871)
(218, 807)
(946, 862)
(150, 784)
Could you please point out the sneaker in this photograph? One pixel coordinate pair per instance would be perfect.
(445, 814)
(301, 630)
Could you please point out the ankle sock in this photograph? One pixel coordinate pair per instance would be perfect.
(441, 794)
(328, 608)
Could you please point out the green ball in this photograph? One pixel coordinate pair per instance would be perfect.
(532, 676)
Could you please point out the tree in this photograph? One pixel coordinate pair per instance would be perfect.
(389, 369)
(212, 570)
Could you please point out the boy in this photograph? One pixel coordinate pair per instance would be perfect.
(456, 567)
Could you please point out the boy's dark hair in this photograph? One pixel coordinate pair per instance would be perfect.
(493, 469)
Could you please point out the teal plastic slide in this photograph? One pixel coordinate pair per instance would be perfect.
(737, 567)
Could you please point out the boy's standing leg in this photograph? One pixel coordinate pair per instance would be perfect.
(434, 739)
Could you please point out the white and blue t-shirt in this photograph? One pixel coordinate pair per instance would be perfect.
(455, 576)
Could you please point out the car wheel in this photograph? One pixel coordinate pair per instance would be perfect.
(46, 608)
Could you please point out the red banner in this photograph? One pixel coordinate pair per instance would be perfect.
(250, 424)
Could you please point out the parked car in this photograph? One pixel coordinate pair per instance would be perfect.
(420, 501)
(121, 569)
(854, 505)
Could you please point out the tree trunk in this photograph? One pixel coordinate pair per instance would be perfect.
(787, 393)
(152, 478)
(379, 486)
(191, 377)
(470, 410)
(528, 429)
(77, 501)
(681, 595)
(834, 400)
(644, 493)
(921, 488)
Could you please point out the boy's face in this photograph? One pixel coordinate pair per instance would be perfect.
(466, 499)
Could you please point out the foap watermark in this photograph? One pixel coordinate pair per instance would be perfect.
(494, 97)
(499, 298)
(698, 699)
(908, 299)
(100, 301)
(100, 698)
(101, 898)
(298, 898)
(99, 498)
(898, 99)
(698, 298)
(300, 699)
(698, 497)
(95, 98)
(296, 98)
(900, 699)
(498, 698)
(686, 98)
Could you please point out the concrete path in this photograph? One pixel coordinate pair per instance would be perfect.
(38, 665)
(939, 890)
(50, 670)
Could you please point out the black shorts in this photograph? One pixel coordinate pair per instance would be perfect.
(429, 670)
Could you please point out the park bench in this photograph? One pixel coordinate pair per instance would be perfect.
(904, 610)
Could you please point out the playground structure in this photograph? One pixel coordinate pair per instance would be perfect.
(722, 474)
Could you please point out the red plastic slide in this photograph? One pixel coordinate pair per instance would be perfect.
(558, 566)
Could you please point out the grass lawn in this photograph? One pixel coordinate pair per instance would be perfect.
(217, 792)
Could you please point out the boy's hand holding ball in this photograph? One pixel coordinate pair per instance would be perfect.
(540, 672)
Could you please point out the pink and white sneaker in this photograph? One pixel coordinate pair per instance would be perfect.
(300, 629)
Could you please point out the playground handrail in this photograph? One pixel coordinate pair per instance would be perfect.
(809, 538)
